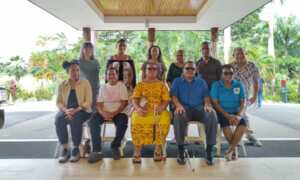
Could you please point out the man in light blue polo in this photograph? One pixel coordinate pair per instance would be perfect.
(228, 98)
(190, 96)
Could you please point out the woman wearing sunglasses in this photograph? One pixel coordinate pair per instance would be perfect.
(150, 119)
(228, 98)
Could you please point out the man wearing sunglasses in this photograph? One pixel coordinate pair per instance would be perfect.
(190, 96)
(209, 68)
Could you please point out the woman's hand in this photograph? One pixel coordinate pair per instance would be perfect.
(69, 113)
(234, 120)
(159, 109)
(141, 111)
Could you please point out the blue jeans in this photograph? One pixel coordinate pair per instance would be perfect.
(61, 123)
(259, 98)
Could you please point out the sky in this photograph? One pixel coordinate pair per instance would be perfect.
(22, 22)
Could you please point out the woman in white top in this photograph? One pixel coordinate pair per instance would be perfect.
(111, 106)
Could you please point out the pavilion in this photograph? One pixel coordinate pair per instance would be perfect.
(151, 15)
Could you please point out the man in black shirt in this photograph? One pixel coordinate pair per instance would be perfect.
(209, 68)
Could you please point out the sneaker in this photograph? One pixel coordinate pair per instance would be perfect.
(180, 157)
(64, 156)
(252, 139)
(75, 155)
(116, 153)
(95, 157)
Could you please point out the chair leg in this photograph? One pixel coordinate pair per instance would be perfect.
(242, 144)
(164, 150)
(57, 149)
(123, 144)
(201, 132)
(219, 142)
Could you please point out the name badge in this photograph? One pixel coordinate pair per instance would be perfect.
(236, 90)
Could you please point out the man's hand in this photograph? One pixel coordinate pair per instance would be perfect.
(179, 109)
(252, 100)
(207, 108)
(107, 115)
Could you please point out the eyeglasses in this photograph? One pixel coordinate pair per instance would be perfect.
(228, 73)
(189, 68)
(151, 69)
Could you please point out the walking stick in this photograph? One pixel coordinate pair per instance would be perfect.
(187, 155)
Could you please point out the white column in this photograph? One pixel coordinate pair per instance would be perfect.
(227, 44)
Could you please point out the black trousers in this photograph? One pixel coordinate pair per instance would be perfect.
(121, 122)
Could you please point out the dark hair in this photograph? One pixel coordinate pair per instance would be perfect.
(205, 43)
(159, 59)
(108, 70)
(87, 45)
(112, 69)
(67, 64)
(189, 62)
(121, 41)
(227, 66)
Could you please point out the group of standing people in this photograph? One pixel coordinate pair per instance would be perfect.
(204, 91)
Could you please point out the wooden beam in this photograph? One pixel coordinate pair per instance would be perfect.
(151, 36)
(86, 33)
(214, 32)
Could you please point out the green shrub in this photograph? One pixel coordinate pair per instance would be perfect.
(24, 94)
(293, 94)
(43, 94)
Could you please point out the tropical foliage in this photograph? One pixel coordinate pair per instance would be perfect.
(251, 33)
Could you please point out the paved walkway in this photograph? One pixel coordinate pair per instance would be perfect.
(43, 128)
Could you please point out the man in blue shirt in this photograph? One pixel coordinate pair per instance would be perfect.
(190, 96)
(228, 98)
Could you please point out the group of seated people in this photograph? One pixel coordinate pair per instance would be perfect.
(151, 104)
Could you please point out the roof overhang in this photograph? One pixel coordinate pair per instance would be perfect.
(209, 13)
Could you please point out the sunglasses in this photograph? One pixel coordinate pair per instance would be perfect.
(151, 69)
(189, 68)
(228, 73)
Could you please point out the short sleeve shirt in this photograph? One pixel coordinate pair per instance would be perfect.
(154, 92)
(210, 71)
(248, 75)
(112, 96)
(228, 98)
(190, 94)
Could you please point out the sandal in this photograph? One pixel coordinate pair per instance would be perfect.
(228, 155)
(137, 159)
(157, 156)
(235, 154)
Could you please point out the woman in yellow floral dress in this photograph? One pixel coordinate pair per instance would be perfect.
(150, 119)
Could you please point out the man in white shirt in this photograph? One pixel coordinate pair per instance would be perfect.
(111, 106)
